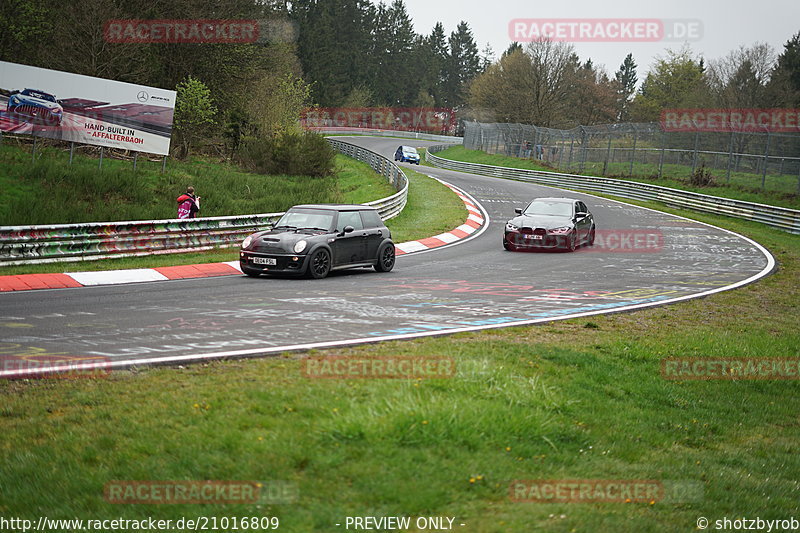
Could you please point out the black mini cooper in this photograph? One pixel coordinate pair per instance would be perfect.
(315, 239)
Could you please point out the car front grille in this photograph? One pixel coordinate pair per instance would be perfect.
(268, 248)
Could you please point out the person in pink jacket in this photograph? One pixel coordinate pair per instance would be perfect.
(188, 204)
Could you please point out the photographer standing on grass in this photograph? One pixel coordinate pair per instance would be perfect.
(188, 204)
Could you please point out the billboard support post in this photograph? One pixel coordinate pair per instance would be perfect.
(71, 151)
(102, 150)
(135, 157)
(33, 152)
(164, 164)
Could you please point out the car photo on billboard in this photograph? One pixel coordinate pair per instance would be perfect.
(36, 105)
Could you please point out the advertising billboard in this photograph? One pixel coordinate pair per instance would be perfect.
(83, 109)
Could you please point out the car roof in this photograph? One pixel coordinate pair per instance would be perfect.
(561, 199)
(336, 207)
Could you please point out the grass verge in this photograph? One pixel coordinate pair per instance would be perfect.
(643, 174)
(432, 208)
(51, 191)
(576, 399)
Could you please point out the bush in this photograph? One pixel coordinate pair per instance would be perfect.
(295, 154)
(702, 177)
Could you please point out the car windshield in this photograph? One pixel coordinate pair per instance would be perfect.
(412, 151)
(306, 219)
(37, 94)
(544, 207)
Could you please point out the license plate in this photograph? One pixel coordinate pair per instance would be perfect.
(534, 237)
(265, 261)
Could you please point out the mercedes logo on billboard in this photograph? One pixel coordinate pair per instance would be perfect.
(142, 96)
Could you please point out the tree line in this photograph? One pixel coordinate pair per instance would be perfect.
(335, 53)
(546, 84)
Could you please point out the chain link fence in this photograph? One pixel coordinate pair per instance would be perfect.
(753, 160)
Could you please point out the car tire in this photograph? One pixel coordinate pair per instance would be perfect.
(590, 242)
(386, 258)
(319, 264)
(572, 243)
(508, 246)
(251, 273)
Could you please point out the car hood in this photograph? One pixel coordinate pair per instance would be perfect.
(541, 221)
(40, 102)
(286, 238)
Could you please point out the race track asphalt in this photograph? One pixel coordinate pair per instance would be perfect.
(471, 285)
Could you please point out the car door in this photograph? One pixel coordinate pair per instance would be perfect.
(349, 247)
(584, 224)
(373, 230)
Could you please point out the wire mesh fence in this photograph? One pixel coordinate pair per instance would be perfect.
(753, 160)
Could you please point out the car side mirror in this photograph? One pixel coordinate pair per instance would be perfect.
(518, 210)
(348, 229)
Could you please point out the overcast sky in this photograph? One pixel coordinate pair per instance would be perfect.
(725, 24)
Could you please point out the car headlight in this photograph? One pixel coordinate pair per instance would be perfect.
(560, 231)
(247, 242)
(511, 227)
(299, 246)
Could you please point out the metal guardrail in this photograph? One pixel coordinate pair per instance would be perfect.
(387, 207)
(102, 240)
(389, 133)
(777, 217)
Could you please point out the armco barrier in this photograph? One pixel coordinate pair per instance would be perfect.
(777, 217)
(102, 240)
(388, 207)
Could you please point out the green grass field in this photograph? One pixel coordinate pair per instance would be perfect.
(576, 399)
(675, 176)
(50, 191)
(432, 208)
